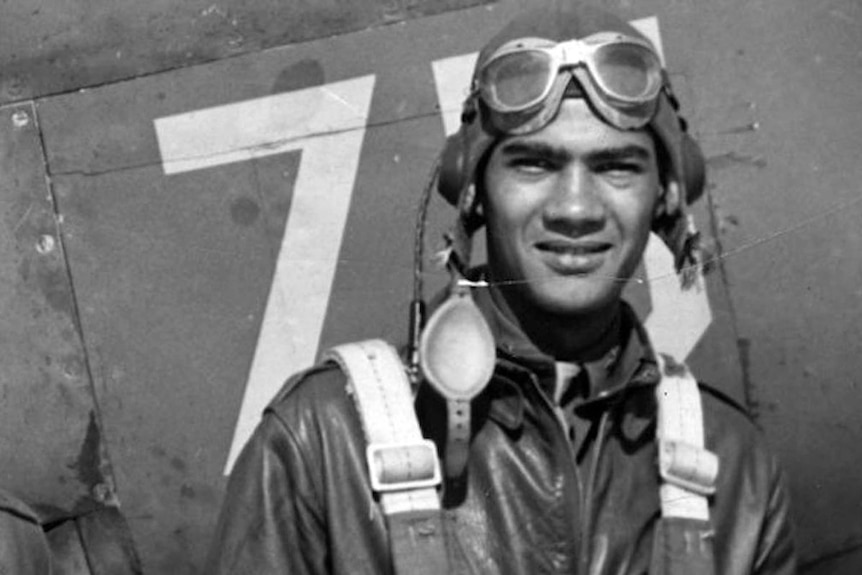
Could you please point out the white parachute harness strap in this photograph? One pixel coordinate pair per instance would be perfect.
(687, 468)
(403, 466)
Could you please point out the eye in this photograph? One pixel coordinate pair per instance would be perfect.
(620, 173)
(620, 167)
(531, 164)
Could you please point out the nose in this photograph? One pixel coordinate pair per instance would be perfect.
(575, 206)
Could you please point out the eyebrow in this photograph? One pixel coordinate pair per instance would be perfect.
(629, 152)
(558, 153)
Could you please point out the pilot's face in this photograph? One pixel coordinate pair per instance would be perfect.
(568, 211)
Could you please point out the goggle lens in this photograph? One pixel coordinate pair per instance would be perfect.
(518, 80)
(627, 72)
(626, 75)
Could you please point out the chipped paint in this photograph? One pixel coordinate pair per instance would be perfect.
(88, 465)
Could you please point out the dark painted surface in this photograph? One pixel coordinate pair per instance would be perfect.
(48, 47)
(171, 273)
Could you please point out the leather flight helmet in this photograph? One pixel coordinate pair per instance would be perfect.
(465, 150)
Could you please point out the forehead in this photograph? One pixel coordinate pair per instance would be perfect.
(578, 130)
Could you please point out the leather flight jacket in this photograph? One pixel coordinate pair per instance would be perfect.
(536, 498)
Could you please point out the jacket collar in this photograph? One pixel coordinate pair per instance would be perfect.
(628, 365)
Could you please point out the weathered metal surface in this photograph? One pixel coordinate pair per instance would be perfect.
(107, 544)
(95, 543)
(52, 450)
(778, 95)
(48, 47)
(173, 273)
(66, 548)
(51, 447)
(173, 270)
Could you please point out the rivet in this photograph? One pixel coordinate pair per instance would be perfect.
(45, 245)
(20, 119)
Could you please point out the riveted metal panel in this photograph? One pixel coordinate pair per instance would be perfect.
(52, 448)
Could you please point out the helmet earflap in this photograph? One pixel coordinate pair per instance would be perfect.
(692, 168)
(454, 175)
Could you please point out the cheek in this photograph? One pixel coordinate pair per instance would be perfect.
(501, 229)
(505, 204)
(501, 195)
(637, 216)
(507, 227)
(641, 222)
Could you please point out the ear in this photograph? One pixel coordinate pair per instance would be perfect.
(480, 208)
(472, 211)
(669, 201)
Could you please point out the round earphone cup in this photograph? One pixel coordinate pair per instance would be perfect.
(693, 168)
(452, 178)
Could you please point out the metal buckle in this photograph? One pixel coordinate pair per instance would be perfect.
(403, 466)
(687, 466)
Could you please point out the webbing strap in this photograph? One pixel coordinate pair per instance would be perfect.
(403, 467)
(688, 470)
(682, 546)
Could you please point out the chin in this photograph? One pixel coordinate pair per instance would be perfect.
(583, 298)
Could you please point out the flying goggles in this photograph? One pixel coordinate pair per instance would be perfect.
(522, 83)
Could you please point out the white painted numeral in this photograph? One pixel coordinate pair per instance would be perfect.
(328, 124)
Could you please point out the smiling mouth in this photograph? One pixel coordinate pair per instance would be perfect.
(573, 257)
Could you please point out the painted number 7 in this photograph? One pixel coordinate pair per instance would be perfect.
(327, 123)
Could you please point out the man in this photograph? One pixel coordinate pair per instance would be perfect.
(537, 382)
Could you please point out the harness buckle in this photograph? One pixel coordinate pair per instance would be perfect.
(687, 466)
(403, 466)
